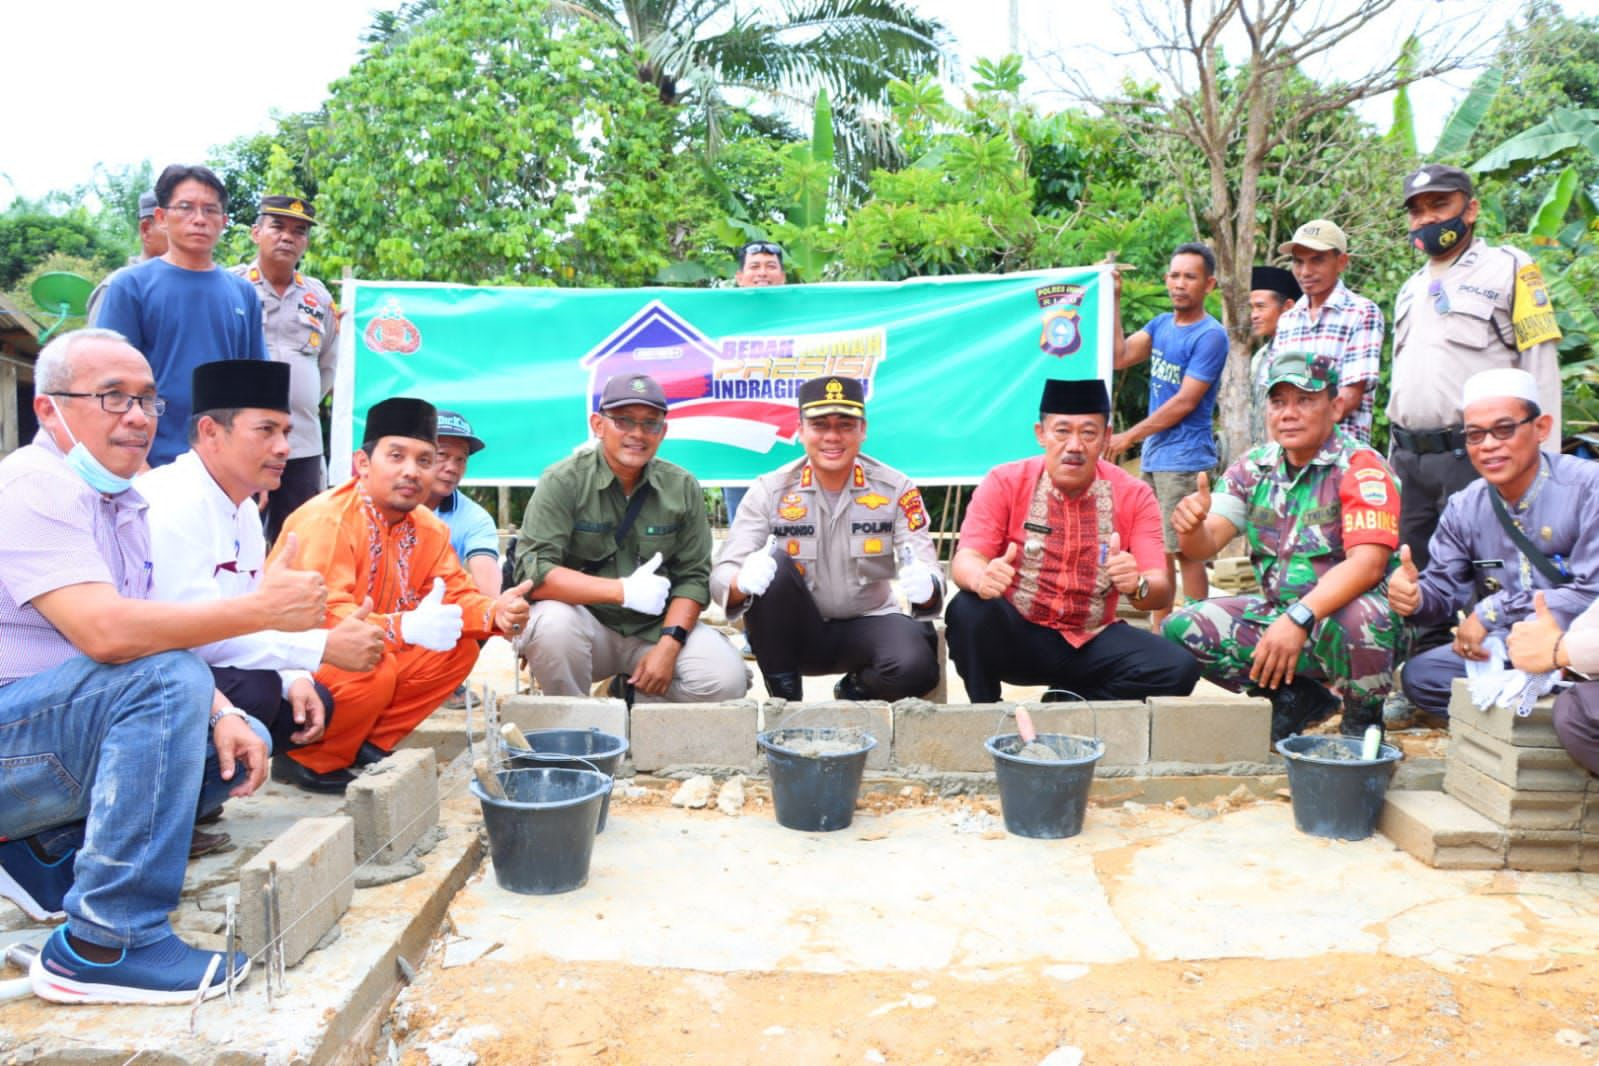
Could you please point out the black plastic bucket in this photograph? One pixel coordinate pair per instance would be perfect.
(1039, 798)
(814, 793)
(573, 749)
(1336, 797)
(541, 836)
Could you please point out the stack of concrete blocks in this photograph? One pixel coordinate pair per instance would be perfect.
(1512, 797)
(1156, 736)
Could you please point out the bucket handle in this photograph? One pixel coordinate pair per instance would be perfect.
(790, 720)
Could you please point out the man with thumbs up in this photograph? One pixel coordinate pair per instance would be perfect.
(1321, 515)
(1529, 524)
(617, 545)
(389, 565)
(206, 543)
(1048, 547)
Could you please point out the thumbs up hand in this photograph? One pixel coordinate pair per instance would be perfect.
(434, 624)
(511, 609)
(755, 576)
(354, 644)
(1534, 642)
(998, 574)
(1404, 585)
(1191, 512)
(291, 599)
(1120, 566)
(916, 578)
(644, 590)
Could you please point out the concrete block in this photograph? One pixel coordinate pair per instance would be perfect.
(1509, 807)
(940, 693)
(1208, 732)
(951, 737)
(1420, 774)
(1537, 730)
(565, 712)
(1526, 769)
(694, 734)
(1441, 831)
(316, 878)
(1590, 815)
(446, 736)
(394, 803)
(874, 716)
(1543, 850)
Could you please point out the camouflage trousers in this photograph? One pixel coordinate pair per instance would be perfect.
(1352, 649)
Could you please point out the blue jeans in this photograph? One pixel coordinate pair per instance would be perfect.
(110, 760)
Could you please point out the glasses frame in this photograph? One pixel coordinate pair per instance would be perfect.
(653, 428)
(184, 209)
(1475, 435)
(153, 406)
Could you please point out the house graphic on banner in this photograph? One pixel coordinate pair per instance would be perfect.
(684, 361)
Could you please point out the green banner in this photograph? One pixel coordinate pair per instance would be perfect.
(953, 366)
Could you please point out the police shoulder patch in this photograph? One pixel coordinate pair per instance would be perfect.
(1374, 492)
(915, 512)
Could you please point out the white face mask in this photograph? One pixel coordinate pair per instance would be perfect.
(90, 469)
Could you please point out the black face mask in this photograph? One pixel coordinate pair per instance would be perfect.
(1441, 238)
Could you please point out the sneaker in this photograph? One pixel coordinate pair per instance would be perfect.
(456, 701)
(1397, 711)
(33, 884)
(849, 687)
(168, 971)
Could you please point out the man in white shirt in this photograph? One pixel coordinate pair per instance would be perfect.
(206, 544)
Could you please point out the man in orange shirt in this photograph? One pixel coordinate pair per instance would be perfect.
(380, 550)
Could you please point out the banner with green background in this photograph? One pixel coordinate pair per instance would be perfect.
(953, 366)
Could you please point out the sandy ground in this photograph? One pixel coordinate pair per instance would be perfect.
(1069, 951)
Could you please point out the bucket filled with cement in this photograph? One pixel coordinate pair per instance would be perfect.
(816, 775)
(1044, 783)
(1336, 792)
(541, 835)
(573, 749)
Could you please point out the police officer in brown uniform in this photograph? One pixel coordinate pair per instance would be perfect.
(302, 326)
(811, 558)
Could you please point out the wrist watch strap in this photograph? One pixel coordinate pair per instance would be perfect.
(677, 633)
(226, 712)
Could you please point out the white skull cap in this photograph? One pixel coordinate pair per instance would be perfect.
(1499, 382)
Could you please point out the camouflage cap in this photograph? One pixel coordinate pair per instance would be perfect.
(1313, 373)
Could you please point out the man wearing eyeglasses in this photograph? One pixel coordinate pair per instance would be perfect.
(1530, 524)
(617, 545)
(813, 555)
(301, 325)
(182, 309)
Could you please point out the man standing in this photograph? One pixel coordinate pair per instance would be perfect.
(473, 534)
(1321, 514)
(1047, 547)
(301, 326)
(109, 733)
(1529, 525)
(617, 548)
(1333, 322)
(1187, 349)
(842, 524)
(1272, 290)
(152, 245)
(206, 545)
(760, 265)
(381, 550)
(183, 310)
(1471, 307)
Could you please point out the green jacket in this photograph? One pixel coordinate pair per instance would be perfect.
(571, 521)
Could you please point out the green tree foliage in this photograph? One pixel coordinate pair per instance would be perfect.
(30, 236)
(486, 147)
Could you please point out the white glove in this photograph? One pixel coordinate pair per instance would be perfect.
(644, 590)
(434, 625)
(918, 581)
(755, 576)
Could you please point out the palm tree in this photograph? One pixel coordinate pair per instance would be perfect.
(781, 51)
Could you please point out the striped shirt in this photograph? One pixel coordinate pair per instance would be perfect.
(56, 531)
(1348, 328)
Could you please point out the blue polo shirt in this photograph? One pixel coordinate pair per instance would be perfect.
(472, 531)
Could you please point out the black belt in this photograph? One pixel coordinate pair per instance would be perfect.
(1428, 441)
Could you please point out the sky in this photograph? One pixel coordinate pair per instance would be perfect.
(166, 81)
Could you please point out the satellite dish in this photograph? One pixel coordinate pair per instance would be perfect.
(64, 294)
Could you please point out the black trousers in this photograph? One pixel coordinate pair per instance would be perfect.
(990, 642)
(302, 479)
(1426, 483)
(261, 693)
(892, 656)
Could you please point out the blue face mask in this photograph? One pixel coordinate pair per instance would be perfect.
(90, 469)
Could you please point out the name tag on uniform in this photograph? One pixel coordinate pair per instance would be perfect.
(1488, 564)
(1038, 527)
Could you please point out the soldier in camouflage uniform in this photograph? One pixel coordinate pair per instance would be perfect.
(1321, 515)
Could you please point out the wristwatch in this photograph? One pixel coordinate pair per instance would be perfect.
(226, 712)
(1143, 588)
(1302, 616)
(677, 633)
